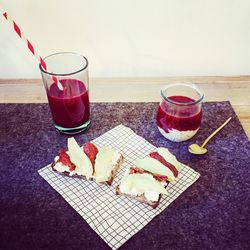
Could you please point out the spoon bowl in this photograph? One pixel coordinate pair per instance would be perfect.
(196, 149)
(200, 150)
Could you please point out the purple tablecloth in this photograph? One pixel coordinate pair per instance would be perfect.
(211, 214)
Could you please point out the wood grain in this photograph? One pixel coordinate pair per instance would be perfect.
(235, 89)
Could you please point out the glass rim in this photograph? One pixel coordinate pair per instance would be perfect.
(186, 84)
(64, 74)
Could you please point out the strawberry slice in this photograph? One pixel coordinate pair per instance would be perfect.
(135, 170)
(65, 160)
(159, 158)
(91, 151)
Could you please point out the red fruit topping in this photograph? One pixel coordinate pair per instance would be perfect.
(65, 160)
(159, 158)
(135, 170)
(160, 178)
(91, 151)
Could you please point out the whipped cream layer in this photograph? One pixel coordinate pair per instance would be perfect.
(178, 136)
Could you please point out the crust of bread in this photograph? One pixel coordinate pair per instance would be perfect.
(141, 198)
(109, 181)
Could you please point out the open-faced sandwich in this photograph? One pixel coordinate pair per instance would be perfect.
(88, 162)
(147, 180)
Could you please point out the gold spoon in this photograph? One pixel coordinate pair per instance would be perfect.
(200, 150)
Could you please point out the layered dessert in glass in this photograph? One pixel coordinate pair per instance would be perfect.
(179, 113)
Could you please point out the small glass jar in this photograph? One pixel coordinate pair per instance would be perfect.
(179, 113)
(67, 85)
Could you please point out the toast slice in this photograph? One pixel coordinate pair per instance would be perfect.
(143, 187)
(147, 180)
(109, 182)
(140, 198)
(87, 162)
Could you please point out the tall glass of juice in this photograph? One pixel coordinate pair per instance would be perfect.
(179, 113)
(67, 85)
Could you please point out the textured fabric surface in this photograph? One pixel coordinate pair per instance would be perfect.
(213, 213)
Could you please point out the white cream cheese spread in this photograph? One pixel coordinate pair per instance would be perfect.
(138, 184)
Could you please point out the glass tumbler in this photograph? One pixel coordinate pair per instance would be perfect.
(67, 85)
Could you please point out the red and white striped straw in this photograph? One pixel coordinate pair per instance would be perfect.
(26, 41)
(30, 46)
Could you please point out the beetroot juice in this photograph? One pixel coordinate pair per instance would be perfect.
(179, 116)
(66, 79)
(69, 106)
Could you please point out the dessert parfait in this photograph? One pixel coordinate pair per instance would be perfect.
(179, 113)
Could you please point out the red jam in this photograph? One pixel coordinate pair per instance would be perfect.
(91, 151)
(65, 160)
(159, 158)
(135, 170)
(180, 117)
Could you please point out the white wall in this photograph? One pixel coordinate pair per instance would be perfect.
(131, 37)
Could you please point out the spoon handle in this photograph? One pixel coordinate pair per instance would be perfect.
(216, 131)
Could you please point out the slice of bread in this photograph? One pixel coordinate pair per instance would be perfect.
(140, 198)
(88, 162)
(67, 173)
(109, 181)
(149, 176)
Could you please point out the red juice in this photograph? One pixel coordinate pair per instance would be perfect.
(179, 117)
(70, 106)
